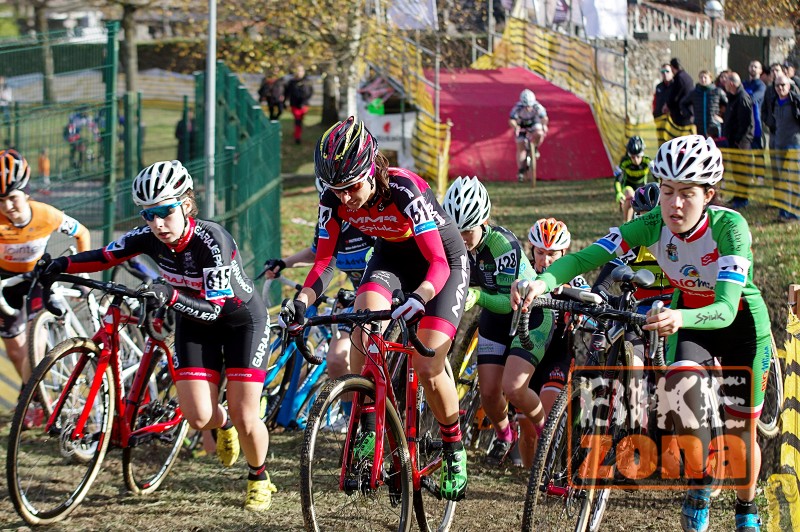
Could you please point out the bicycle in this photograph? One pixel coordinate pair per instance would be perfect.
(79, 384)
(531, 157)
(398, 476)
(557, 498)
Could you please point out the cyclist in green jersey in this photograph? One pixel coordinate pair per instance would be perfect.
(716, 311)
(633, 172)
(504, 366)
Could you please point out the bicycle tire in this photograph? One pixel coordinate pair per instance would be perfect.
(275, 391)
(769, 424)
(432, 511)
(45, 332)
(308, 403)
(48, 473)
(321, 452)
(147, 462)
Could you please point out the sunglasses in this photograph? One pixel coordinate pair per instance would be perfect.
(162, 211)
(665, 71)
(355, 187)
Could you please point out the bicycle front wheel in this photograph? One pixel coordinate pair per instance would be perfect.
(49, 470)
(45, 332)
(326, 505)
(149, 456)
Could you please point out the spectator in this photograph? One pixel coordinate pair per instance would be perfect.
(738, 127)
(705, 103)
(185, 133)
(785, 120)
(43, 167)
(679, 99)
(715, 134)
(662, 91)
(756, 89)
(791, 72)
(6, 99)
(271, 92)
(298, 92)
(723, 96)
(769, 103)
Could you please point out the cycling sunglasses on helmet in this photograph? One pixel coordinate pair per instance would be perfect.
(162, 211)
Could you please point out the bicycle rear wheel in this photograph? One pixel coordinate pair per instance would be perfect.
(45, 332)
(49, 471)
(325, 505)
(769, 421)
(148, 458)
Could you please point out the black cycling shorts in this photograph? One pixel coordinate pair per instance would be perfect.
(13, 326)
(238, 342)
(552, 371)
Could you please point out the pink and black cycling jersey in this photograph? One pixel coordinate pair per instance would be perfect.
(410, 214)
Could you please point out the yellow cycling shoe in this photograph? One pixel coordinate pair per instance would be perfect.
(227, 446)
(259, 495)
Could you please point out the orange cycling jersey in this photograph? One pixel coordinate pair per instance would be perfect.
(21, 247)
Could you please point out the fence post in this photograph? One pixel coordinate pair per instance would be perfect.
(127, 134)
(110, 207)
(140, 125)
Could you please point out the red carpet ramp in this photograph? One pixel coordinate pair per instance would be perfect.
(482, 143)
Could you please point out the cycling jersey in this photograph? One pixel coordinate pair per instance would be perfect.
(496, 262)
(713, 279)
(526, 117)
(21, 247)
(205, 265)
(638, 258)
(352, 249)
(631, 175)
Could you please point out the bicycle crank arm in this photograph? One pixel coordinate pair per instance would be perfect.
(432, 486)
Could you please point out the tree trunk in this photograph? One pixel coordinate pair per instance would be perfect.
(129, 54)
(48, 85)
(354, 48)
(330, 95)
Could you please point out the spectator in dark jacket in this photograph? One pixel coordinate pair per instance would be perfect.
(738, 129)
(679, 100)
(775, 70)
(705, 103)
(298, 92)
(785, 121)
(790, 70)
(271, 92)
(756, 89)
(662, 91)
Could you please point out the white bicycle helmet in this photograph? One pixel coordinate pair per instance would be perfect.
(550, 234)
(689, 159)
(160, 181)
(467, 202)
(527, 98)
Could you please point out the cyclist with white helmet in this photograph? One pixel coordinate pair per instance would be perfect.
(25, 229)
(550, 240)
(222, 323)
(716, 312)
(529, 119)
(417, 250)
(504, 366)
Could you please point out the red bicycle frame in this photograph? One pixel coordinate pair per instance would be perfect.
(108, 337)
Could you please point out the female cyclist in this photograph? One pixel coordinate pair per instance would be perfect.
(550, 240)
(717, 311)
(418, 249)
(221, 320)
(25, 228)
(496, 260)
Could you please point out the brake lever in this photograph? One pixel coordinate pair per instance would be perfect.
(522, 288)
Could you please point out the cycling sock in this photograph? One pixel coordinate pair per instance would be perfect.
(746, 507)
(505, 434)
(228, 423)
(451, 437)
(368, 418)
(257, 473)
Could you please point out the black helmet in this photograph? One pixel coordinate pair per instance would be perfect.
(345, 154)
(635, 145)
(646, 198)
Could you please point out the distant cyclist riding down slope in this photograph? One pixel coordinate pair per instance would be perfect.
(529, 120)
(633, 172)
(716, 312)
(418, 249)
(221, 322)
(496, 260)
(351, 253)
(25, 229)
(550, 240)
